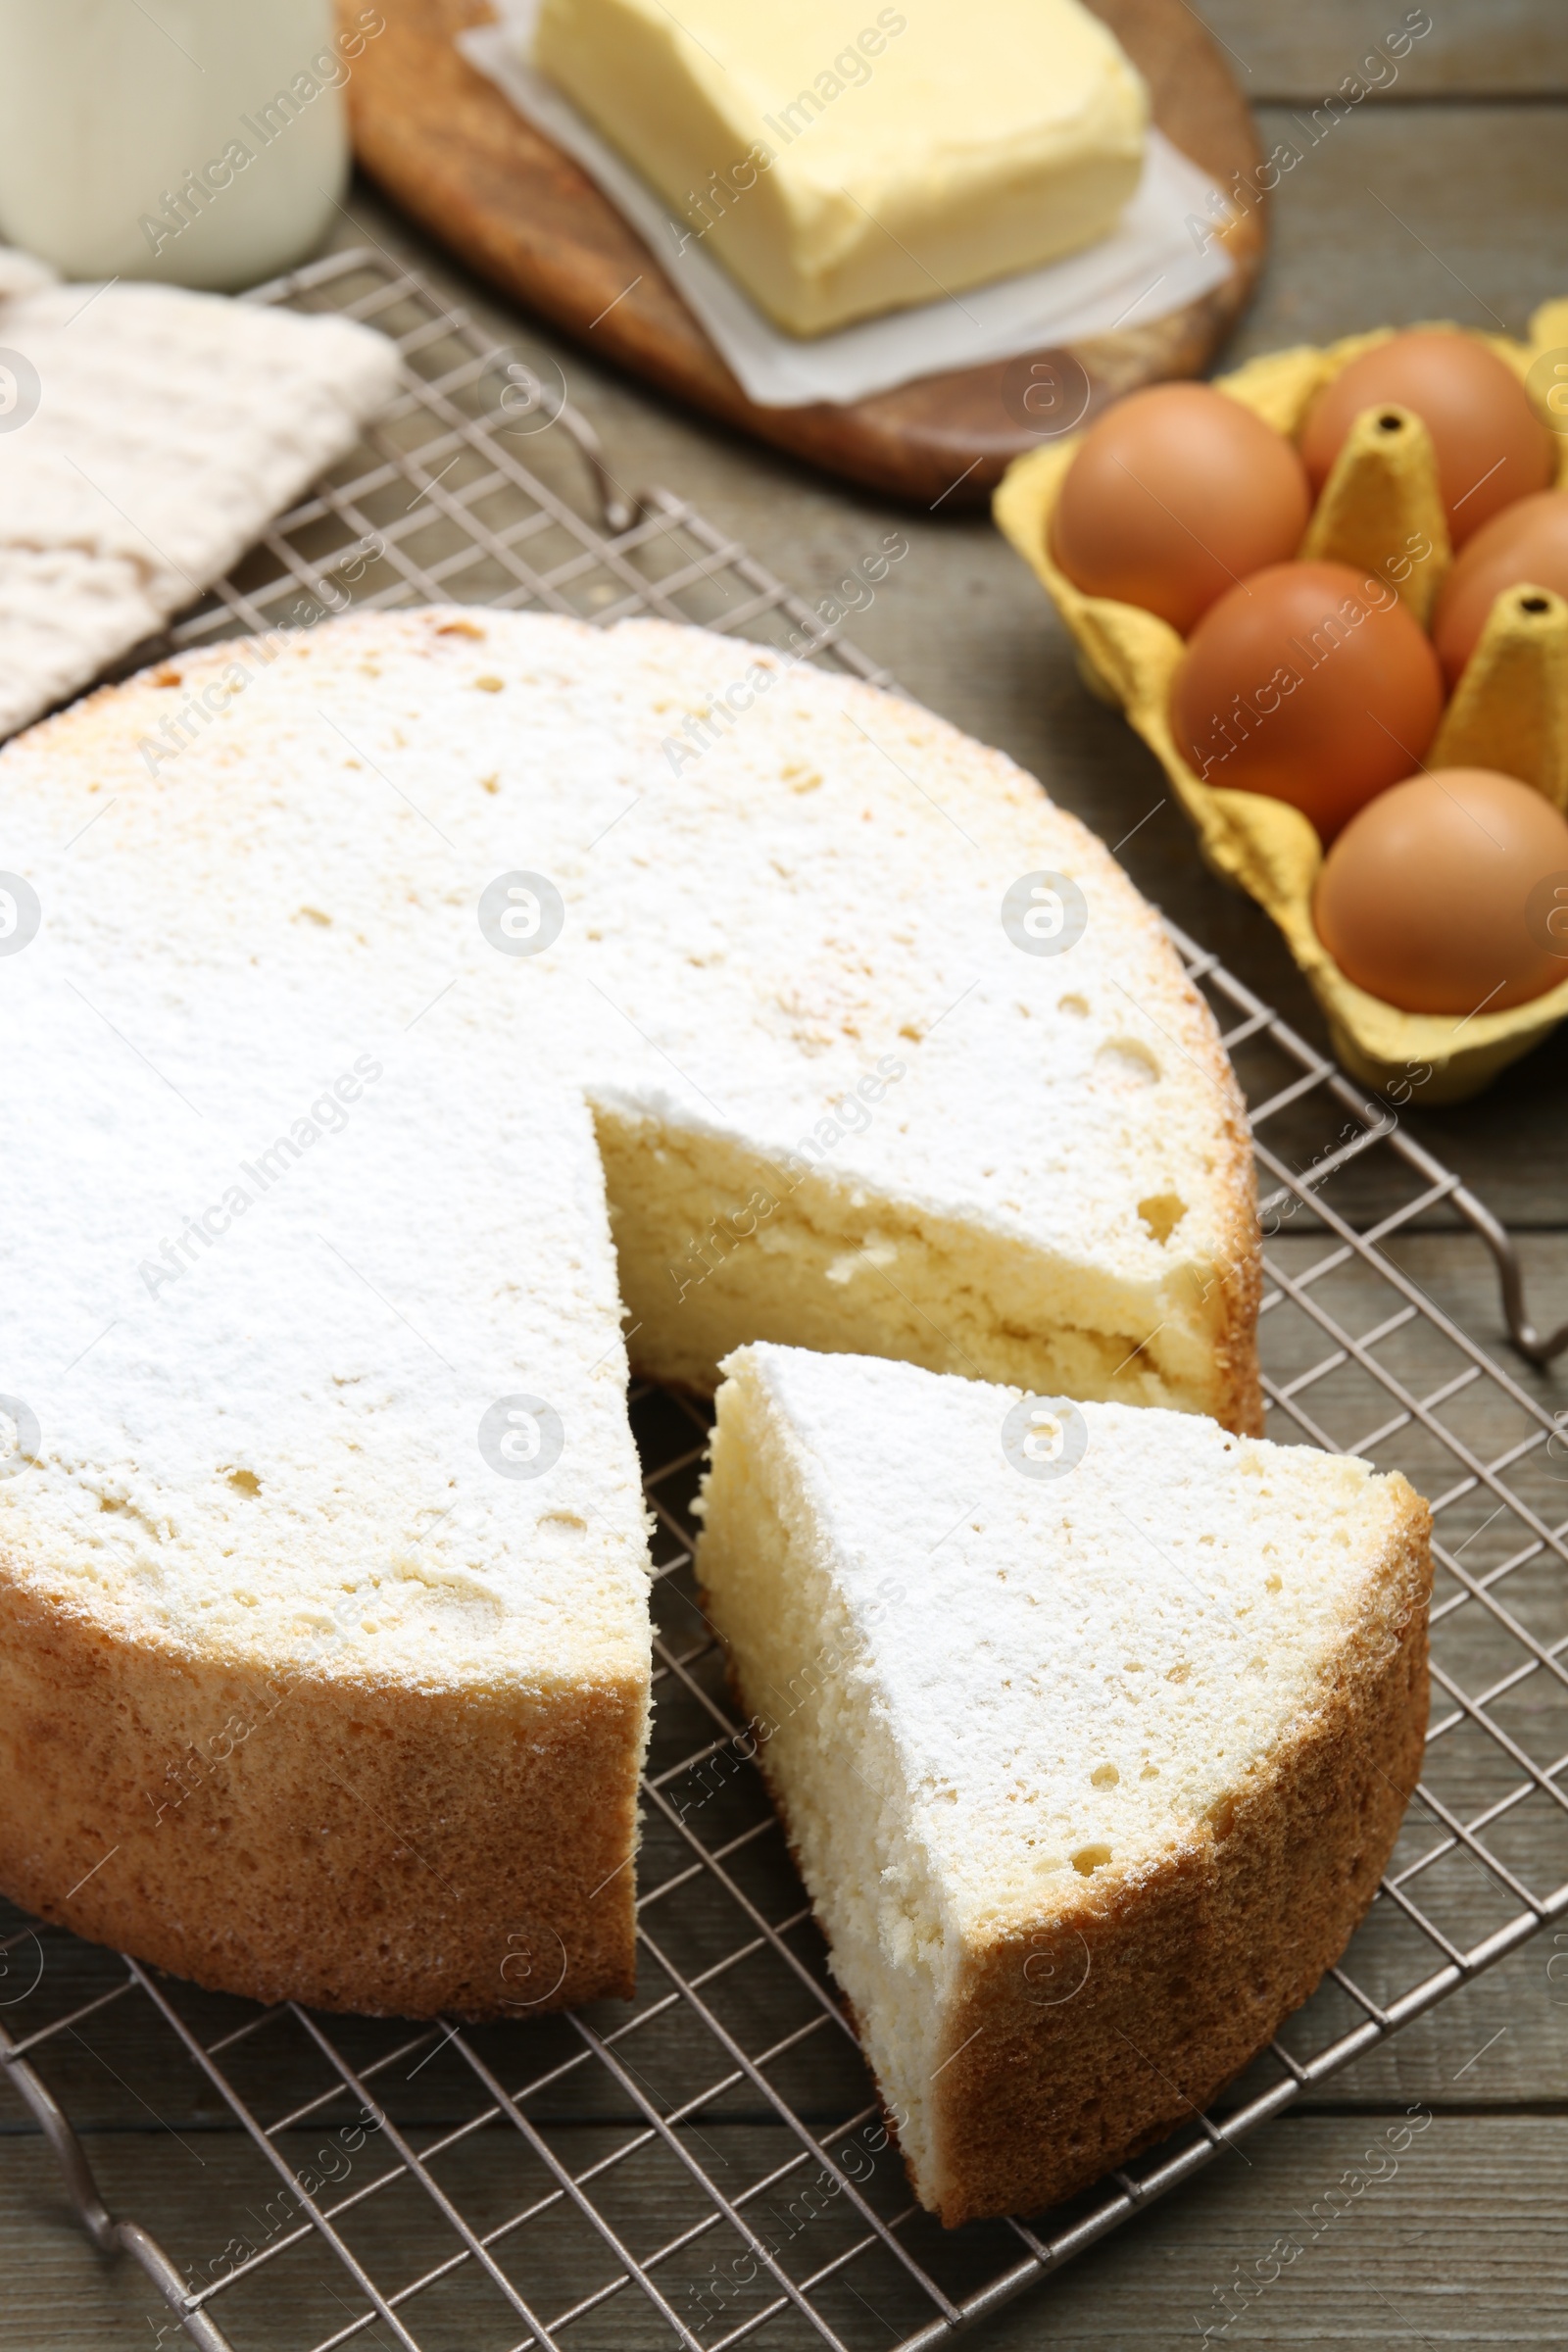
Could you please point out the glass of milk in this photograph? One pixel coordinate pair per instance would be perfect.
(199, 141)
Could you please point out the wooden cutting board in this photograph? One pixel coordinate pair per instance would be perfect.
(448, 148)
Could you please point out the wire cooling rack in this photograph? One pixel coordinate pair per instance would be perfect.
(705, 2165)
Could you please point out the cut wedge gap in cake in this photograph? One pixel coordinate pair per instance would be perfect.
(720, 1245)
(1091, 1727)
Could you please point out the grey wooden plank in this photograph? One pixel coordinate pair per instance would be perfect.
(1473, 47)
(128, 2077)
(1520, 2010)
(1459, 2246)
(1405, 2227)
(1393, 215)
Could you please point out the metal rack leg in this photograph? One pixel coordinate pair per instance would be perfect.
(108, 2235)
(1499, 1241)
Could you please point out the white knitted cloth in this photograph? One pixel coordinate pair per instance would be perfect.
(145, 440)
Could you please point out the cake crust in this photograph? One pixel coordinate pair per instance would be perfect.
(293, 1834)
(1190, 1973)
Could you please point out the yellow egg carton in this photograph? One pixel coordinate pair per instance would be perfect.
(1379, 510)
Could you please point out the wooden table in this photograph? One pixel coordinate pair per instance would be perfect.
(1446, 195)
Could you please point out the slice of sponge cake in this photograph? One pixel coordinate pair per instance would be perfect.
(1092, 1728)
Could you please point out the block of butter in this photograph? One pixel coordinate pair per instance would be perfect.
(843, 163)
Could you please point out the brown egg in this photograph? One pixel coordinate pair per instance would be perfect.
(1439, 897)
(1177, 493)
(1491, 447)
(1309, 682)
(1525, 543)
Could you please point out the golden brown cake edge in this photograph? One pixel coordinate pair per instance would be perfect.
(127, 1767)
